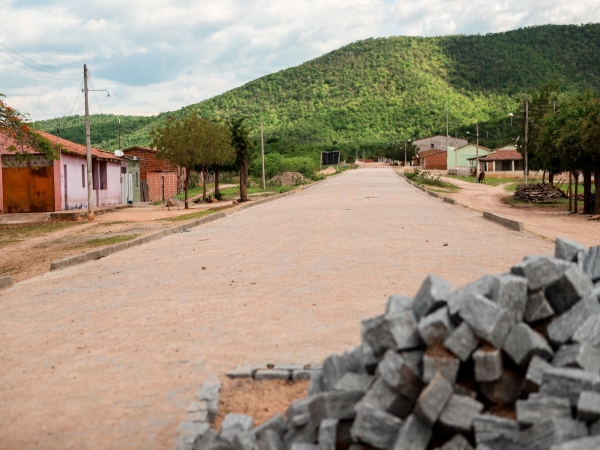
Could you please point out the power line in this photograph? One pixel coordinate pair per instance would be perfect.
(33, 67)
(76, 98)
(90, 73)
(24, 57)
(37, 74)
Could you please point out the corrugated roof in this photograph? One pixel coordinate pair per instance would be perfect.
(502, 155)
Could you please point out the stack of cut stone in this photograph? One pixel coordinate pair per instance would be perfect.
(507, 362)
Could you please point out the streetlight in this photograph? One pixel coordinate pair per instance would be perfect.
(405, 142)
(476, 151)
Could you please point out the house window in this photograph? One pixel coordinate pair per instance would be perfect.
(432, 145)
(82, 176)
(103, 175)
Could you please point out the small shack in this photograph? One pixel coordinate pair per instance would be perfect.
(509, 162)
(159, 179)
(431, 159)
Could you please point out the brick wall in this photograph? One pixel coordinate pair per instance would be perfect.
(155, 183)
(438, 161)
(149, 162)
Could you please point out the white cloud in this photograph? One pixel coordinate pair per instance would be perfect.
(159, 55)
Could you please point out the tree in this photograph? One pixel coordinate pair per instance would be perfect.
(243, 150)
(16, 136)
(193, 142)
(590, 131)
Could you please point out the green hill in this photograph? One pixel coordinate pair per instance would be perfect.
(368, 92)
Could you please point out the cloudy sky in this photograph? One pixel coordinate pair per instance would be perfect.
(160, 55)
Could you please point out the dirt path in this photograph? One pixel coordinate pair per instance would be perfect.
(548, 221)
(108, 354)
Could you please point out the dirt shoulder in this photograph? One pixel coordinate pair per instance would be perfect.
(548, 221)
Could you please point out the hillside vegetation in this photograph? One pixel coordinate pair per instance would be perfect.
(371, 91)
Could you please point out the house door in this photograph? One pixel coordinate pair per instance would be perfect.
(66, 197)
(130, 188)
(124, 187)
(28, 189)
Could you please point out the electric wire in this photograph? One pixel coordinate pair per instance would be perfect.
(24, 57)
(76, 98)
(33, 67)
(95, 92)
(37, 74)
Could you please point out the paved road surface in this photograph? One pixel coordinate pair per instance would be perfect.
(108, 354)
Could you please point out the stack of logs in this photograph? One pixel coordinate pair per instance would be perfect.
(538, 193)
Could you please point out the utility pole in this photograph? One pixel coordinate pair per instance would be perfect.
(262, 152)
(446, 128)
(477, 153)
(119, 133)
(526, 139)
(88, 146)
(456, 145)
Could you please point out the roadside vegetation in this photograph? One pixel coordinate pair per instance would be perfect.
(426, 178)
(11, 234)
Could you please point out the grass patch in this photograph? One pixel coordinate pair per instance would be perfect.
(191, 216)
(234, 192)
(112, 240)
(425, 178)
(194, 192)
(158, 202)
(348, 167)
(493, 181)
(512, 187)
(10, 234)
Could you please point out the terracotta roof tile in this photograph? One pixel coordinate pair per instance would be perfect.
(77, 149)
(502, 155)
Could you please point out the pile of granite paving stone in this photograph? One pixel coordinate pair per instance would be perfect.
(510, 361)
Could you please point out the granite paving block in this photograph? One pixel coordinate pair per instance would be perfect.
(572, 286)
(270, 440)
(567, 383)
(415, 434)
(300, 430)
(276, 423)
(447, 365)
(544, 435)
(299, 406)
(462, 341)
(334, 368)
(595, 428)
(376, 333)
(433, 399)
(327, 436)
(235, 423)
(538, 409)
(563, 327)
(240, 373)
(457, 299)
(589, 331)
(304, 446)
(583, 356)
(434, 328)
(510, 292)
(375, 427)
(591, 263)
(488, 364)
(369, 360)
(333, 405)
(434, 292)
(354, 382)
(245, 440)
(302, 374)
(569, 250)
(404, 331)
(398, 304)
(504, 391)
(395, 371)
(316, 382)
(537, 307)
(583, 443)
(459, 413)
(487, 320)
(588, 406)
(458, 442)
(272, 374)
(495, 431)
(522, 343)
(540, 270)
(414, 359)
(383, 397)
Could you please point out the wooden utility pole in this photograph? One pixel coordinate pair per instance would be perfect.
(88, 147)
(119, 133)
(526, 139)
(262, 153)
(446, 129)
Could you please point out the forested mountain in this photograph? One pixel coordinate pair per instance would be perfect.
(370, 92)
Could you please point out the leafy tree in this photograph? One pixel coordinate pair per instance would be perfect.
(16, 136)
(590, 131)
(243, 149)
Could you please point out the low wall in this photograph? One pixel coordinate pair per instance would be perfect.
(508, 223)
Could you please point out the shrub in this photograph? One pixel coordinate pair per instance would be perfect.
(350, 159)
(425, 177)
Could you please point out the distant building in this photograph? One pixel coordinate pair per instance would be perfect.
(163, 179)
(459, 158)
(502, 161)
(38, 184)
(431, 159)
(439, 142)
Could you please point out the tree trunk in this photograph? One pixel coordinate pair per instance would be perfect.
(188, 172)
(216, 183)
(543, 177)
(576, 207)
(244, 181)
(551, 178)
(204, 176)
(587, 191)
(570, 193)
(597, 184)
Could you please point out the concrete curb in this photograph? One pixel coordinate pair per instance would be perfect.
(105, 251)
(433, 194)
(509, 223)
(6, 282)
(450, 200)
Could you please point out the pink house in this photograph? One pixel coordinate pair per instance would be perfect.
(39, 184)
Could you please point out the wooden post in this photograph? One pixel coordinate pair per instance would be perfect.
(526, 139)
(262, 153)
(88, 148)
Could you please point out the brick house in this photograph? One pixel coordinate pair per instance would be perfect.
(431, 159)
(164, 179)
